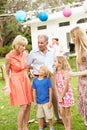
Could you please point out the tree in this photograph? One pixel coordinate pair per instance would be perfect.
(2, 6)
(2, 10)
(11, 6)
(9, 27)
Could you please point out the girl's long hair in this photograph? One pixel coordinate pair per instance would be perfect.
(64, 62)
(80, 42)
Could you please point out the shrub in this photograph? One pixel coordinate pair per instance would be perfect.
(72, 62)
(4, 50)
(29, 47)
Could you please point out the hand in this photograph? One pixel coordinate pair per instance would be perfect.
(49, 104)
(59, 98)
(7, 90)
(35, 105)
(72, 74)
(68, 75)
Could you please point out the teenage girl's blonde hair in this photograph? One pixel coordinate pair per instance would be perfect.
(47, 73)
(64, 62)
(18, 41)
(80, 41)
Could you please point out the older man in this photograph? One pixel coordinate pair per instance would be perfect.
(44, 56)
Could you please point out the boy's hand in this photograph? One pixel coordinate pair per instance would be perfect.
(49, 104)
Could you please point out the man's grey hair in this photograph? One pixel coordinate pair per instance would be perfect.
(43, 35)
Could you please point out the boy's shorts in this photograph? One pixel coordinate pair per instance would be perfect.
(44, 111)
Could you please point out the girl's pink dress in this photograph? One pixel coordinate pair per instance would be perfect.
(68, 99)
(21, 91)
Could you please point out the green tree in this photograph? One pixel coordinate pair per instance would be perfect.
(2, 6)
(11, 28)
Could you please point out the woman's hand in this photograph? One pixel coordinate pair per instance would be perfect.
(78, 73)
(7, 90)
(68, 75)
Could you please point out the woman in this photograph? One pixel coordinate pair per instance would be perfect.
(80, 39)
(17, 81)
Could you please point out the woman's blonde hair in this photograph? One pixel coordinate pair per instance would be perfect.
(18, 41)
(80, 41)
(47, 73)
(64, 62)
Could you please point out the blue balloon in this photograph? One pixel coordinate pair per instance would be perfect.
(20, 16)
(43, 16)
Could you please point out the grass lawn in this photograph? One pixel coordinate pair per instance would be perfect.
(8, 114)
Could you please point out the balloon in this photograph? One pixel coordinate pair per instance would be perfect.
(67, 12)
(20, 16)
(43, 16)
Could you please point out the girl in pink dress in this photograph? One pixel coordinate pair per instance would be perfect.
(64, 91)
(17, 81)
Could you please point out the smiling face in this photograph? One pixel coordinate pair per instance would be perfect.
(44, 72)
(42, 43)
(21, 48)
(58, 64)
(19, 44)
(73, 38)
(41, 72)
(61, 64)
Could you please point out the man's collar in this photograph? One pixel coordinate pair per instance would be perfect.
(38, 50)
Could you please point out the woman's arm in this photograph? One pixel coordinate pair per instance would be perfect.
(7, 87)
(79, 73)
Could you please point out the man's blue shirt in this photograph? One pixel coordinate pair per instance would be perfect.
(36, 59)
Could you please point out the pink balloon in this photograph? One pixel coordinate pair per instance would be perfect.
(67, 12)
